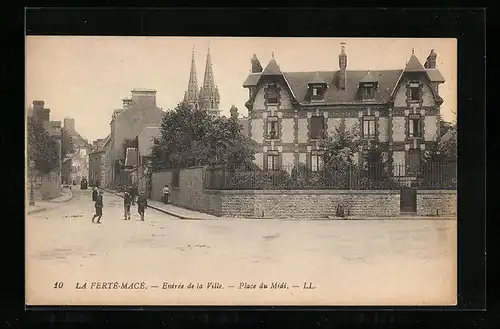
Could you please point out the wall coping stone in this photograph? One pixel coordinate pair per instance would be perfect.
(302, 192)
(436, 192)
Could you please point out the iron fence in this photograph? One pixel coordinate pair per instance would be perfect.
(349, 177)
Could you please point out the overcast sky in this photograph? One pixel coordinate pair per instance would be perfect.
(86, 78)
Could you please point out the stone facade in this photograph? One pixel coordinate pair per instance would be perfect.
(397, 108)
(127, 123)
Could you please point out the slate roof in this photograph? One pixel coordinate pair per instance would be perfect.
(317, 79)
(272, 68)
(368, 78)
(387, 81)
(298, 82)
(435, 75)
(101, 145)
(414, 65)
(251, 80)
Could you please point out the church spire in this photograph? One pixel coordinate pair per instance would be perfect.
(209, 98)
(191, 96)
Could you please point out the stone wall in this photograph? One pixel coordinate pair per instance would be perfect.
(437, 202)
(299, 204)
(306, 204)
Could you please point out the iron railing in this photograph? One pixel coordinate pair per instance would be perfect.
(350, 177)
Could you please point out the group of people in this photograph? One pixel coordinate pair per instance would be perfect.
(129, 198)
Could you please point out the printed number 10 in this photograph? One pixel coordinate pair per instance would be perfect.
(58, 285)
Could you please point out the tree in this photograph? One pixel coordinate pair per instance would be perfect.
(445, 151)
(340, 146)
(189, 137)
(67, 144)
(42, 148)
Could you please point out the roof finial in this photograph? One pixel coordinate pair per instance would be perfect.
(272, 54)
(413, 51)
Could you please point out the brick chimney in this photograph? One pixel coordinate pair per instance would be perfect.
(144, 98)
(69, 125)
(342, 66)
(39, 112)
(127, 103)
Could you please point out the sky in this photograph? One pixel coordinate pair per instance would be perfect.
(86, 77)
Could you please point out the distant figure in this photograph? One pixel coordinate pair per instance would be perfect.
(133, 193)
(340, 211)
(94, 194)
(126, 205)
(142, 204)
(166, 193)
(98, 208)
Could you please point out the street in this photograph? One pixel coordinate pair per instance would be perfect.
(372, 262)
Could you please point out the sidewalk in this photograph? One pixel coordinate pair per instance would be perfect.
(50, 204)
(172, 210)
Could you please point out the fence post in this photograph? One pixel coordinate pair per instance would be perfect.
(350, 178)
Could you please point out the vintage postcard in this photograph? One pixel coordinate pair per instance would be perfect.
(241, 171)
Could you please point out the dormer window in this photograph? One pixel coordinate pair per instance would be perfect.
(415, 91)
(317, 87)
(368, 91)
(272, 93)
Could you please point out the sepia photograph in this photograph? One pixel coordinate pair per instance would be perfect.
(238, 171)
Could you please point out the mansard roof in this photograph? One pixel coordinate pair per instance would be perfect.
(298, 82)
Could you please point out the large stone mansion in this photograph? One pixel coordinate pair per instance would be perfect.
(288, 111)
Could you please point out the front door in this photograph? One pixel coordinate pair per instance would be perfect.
(408, 200)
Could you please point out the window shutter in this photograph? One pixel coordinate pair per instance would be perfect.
(265, 161)
(280, 161)
(410, 127)
(308, 161)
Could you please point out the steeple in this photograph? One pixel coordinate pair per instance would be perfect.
(209, 94)
(191, 96)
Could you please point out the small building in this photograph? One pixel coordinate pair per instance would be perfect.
(97, 163)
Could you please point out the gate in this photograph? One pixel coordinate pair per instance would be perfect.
(408, 200)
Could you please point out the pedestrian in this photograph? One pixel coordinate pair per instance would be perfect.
(166, 193)
(98, 208)
(133, 193)
(142, 204)
(126, 205)
(94, 193)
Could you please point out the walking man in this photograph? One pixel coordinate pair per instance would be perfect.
(98, 208)
(126, 205)
(166, 194)
(94, 193)
(142, 204)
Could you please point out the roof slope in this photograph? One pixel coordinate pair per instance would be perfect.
(387, 79)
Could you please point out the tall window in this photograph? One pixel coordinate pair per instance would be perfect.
(272, 128)
(317, 127)
(316, 162)
(272, 94)
(369, 92)
(368, 126)
(315, 91)
(414, 91)
(272, 160)
(414, 125)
